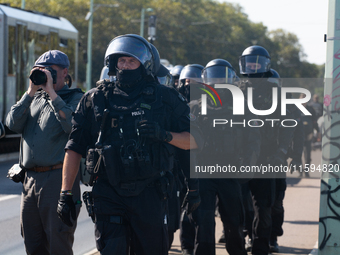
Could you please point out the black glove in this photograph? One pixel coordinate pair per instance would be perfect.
(191, 201)
(295, 165)
(152, 130)
(66, 209)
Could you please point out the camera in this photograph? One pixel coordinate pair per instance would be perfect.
(38, 77)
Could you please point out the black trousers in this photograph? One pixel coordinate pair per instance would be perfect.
(307, 150)
(130, 225)
(174, 213)
(277, 209)
(230, 205)
(263, 194)
(248, 210)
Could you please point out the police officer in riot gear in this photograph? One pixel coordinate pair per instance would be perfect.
(255, 62)
(128, 130)
(224, 145)
(176, 72)
(255, 66)
(189, 78)
(219, 71)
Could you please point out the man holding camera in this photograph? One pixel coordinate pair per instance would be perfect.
(43, 117)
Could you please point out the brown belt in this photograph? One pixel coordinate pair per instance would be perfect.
(40, 169)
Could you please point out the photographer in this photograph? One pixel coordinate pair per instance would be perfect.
(43, 117)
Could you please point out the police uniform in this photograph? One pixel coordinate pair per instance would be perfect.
(275, 142)
(129, 191)
(224, 145)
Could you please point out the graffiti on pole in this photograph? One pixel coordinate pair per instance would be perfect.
(331, 142)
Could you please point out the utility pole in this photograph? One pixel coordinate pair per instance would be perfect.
(142, 20)
(152, 29)
(89, 49)
(329, 222)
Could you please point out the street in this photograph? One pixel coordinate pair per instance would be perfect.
(300, 227)
(11, 242)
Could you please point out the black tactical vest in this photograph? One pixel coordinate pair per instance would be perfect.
(128, 157)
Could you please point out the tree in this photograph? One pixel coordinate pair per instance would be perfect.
(188, 32)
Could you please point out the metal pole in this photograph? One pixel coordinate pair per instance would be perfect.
(89, 50)
(23, 4)
(329, 226)
(142, 22)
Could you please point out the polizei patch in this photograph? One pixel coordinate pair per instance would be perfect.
(137, 113)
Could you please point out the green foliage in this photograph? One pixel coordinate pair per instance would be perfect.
(188, 31)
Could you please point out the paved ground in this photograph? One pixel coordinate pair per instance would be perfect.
(301, 217)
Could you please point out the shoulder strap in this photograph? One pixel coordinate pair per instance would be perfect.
(100, 98)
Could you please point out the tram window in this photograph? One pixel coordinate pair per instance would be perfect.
(70, 52)
(11, 51)
(21, 58)
(63, 43)
(54, 40)
(42, 43)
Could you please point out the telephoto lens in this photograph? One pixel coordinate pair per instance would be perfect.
(38, 77)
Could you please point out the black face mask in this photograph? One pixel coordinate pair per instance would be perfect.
(129, 79)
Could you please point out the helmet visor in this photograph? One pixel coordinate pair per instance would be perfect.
(166, 80)
(191, 73)
(218, 74)
(253, 64)
(130, 46)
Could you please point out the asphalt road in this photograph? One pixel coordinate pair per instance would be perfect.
(300, 226)
(11, 242)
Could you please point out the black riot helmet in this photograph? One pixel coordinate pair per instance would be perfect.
(255, 62)
(130, 45)
(275, 78)
(218, 71)
(167, 80)
(190, 75)
(176, 72)
(192, 72)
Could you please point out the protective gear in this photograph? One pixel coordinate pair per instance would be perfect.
(152, 130)
(255, 62)
(66, 209)
(275, 78)
(127, 157)
(191, 201)
(176, 71)
(218, 71)
(131, 45)
(167, 80)
(129, 78)
(193, 74)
